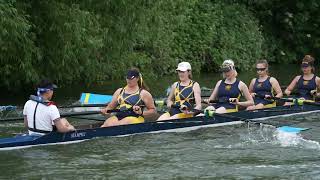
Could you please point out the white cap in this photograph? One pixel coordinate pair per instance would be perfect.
(183, 66)
(228, 62)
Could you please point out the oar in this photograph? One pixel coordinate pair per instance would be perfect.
(288, 129)
(12, 108)
(84, 105)
(8, 108)
(164, 102)
(62, 115)
(297, 101)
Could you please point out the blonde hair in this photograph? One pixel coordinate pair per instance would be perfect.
(229, 63)
(190, 74)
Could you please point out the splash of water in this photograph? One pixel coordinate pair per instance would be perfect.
(287, 139)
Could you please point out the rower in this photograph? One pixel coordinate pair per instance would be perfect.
(183, 95)
(228, 91)
(41, 116)
(263, 87)
(130, 101)
(308, 83)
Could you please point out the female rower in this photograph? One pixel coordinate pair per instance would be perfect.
(228, 91)
(263, 87)
(130, 101)
(183, 96)
(307, 83)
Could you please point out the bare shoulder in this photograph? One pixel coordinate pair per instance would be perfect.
(253, 80)
(118, 90)
(317, 79)
(272, 80)
(297, 78)
(218, 83)
(196, 84)
(174, 84)
(242, 85)
(145, 93)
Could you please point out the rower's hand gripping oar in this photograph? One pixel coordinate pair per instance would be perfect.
(184, 108)
(297, 101)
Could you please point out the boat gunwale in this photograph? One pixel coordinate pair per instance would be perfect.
(174, 121)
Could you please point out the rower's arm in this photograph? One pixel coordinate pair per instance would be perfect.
(25, 121)
(291, 86)
(245, 91)
(213, 96)
(276, 86)
(171, 94)
(318, 86)
(113, 103)
(197, 95)
(251, 85)
(148, 101)
(62, 126)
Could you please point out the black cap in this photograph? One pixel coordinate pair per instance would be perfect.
(132, 74)
(46, 84)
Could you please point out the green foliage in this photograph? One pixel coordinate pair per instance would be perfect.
(92, 40)
(289, 27)
(70, 41)
(216, 31)
(18, 54)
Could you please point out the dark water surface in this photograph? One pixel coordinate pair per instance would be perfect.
(230, 152)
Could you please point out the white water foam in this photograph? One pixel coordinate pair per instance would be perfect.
(287, 139)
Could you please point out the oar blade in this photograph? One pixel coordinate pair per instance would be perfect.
(291, 129)
(90, 98)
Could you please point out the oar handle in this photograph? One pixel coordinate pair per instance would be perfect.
(69, 114)
(195, 111)
(230, 100)
(84, 105)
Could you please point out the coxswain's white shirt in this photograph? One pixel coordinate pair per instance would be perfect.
(45, 115)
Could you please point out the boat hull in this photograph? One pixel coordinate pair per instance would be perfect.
(187, 124)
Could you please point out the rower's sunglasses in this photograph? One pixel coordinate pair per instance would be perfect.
(178, 71)
(261, 69)
(305, 65)
(225, 70)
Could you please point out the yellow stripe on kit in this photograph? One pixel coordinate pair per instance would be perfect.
(86, 99)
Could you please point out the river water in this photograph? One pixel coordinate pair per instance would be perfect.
(230, 152)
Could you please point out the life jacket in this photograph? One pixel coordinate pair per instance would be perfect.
(39, 100)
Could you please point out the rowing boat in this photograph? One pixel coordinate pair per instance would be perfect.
(178, 125)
